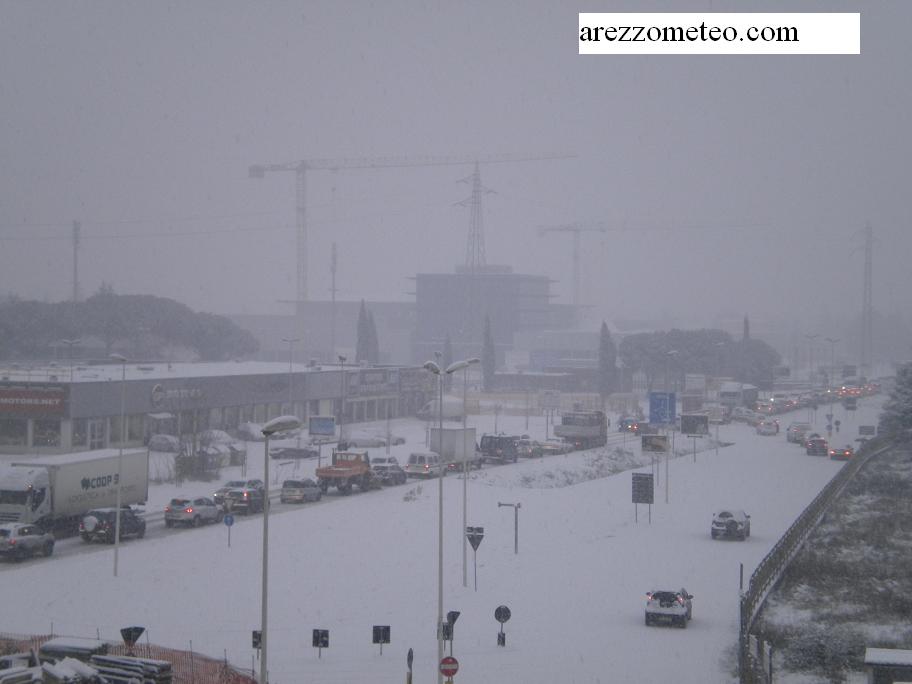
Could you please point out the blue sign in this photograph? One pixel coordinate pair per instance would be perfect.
(229, 520)
(322, 425)
(662, 408)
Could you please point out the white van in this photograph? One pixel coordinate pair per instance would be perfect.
(423, 464)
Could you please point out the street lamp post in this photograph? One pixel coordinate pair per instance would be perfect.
(436, 370)
(832, 372)
(465, 471)
(279, 424)
(70, 344)
(122, 360)
(810, 339)
(291, 341)
(342, 360)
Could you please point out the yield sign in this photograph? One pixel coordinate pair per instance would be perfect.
(449, 666)
(475, 535)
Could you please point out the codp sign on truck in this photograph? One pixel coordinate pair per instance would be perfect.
(54, 492)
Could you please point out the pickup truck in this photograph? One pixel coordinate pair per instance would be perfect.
(348, 468)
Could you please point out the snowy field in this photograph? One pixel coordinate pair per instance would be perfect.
(576, 589)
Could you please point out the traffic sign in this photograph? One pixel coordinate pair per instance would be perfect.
(257, 638)
(642, 488)
(501, 614)
(321, 638)
(662, 407)
(131, 635)
(228, 520)
(381, 634)
(867, 429)
(475, 535)
(449, 666)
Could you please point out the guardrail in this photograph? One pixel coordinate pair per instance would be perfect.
(770, 569)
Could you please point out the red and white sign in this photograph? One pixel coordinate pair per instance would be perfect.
(449, 666)
(47, 401)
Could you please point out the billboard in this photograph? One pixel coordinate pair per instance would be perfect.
(642, 488)
(662, 407)
(867, 430)
(322, 425)
(696, 424)
(655, 443)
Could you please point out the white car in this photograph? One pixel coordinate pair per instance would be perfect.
(767, 427)
(673, 607)
(731, 522)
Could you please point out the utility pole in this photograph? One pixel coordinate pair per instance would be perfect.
(867, 308)
(77, 227)
(332, 290)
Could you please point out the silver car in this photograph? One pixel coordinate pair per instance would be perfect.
(19, 541)
(300, 491)
(192, 512)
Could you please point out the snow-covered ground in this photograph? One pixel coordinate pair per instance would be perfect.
(576, 588)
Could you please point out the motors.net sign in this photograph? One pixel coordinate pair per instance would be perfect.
(15, 400)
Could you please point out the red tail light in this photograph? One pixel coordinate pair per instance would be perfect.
(189, 509)
(167, 509)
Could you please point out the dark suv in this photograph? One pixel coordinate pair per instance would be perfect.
(100, 525)
(245, 501)
(817, 447)
(501, 448)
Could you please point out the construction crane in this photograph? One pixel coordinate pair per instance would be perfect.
(300, 169)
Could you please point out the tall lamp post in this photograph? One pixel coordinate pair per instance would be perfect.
(279, 424)
(342, 360)
(436, 370)
(810, 339)
(291, 341)
(70, 344)
(465, 469)
(122, 360)
(832, 363)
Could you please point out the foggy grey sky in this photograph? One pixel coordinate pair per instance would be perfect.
(141, 119)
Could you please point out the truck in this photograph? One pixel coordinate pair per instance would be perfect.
(348, 468)
(54, 492)
(583, 429)
(457, 444)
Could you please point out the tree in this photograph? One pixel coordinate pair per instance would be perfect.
(374, 346)
(488, 356)
(607, 363)
(448, 358)
(896, 417)
(362, 346)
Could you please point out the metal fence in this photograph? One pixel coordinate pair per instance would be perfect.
(188, 667)
(752, 658)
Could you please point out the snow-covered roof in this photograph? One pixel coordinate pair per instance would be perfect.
(888, 656)
(735, 387)
(65, 459)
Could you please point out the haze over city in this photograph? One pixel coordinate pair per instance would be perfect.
(728, 185)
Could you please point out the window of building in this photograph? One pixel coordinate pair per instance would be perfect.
(13, 431)
(135, 428)
(46, 433)
(80, 432)
(215, 419)
(260, 413)
(231, 417)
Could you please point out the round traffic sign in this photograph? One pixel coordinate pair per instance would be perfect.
(229, 520)
(502, 614)
(449, 666)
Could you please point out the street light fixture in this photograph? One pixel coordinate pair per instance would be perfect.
(342, 361)
(465, 469)
(280, 424)
(832, 362)
(70, 344)
(436, 370)
(810, 339)
(122, 360)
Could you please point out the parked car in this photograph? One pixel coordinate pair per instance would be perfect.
(100, 525)
(843, 454)
(207, 437)
(387, 470)
(673, 607)
(797, 432)
(192, 512)
(19, 541)
(423, 464)
(219, 495)
(730, 522)
(289, 453)
(528, 448)
(767, 427)
(300, 491)
(551, 447)
(817, 447)
(244, 501)
(366, 441)
(167, 443)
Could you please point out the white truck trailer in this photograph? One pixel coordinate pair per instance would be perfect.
(457, 445)
(54, 492)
